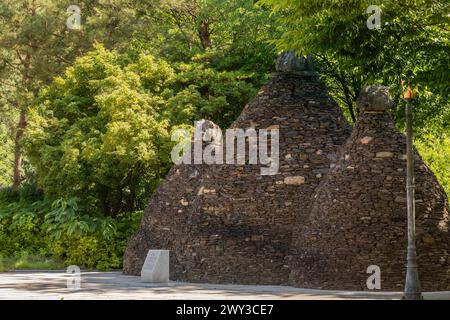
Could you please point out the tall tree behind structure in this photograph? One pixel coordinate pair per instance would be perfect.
(36, 45)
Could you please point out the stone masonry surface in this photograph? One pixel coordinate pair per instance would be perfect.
(228, 223)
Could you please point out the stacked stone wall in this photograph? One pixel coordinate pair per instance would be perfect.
(229, 223)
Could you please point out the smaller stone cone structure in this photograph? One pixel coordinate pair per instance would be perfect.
(359, 215)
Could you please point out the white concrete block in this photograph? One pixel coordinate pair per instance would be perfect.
(156, 267)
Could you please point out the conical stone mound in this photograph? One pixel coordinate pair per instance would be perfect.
(359, 215)
(230, 224)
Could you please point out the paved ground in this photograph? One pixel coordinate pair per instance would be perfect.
(114, 285)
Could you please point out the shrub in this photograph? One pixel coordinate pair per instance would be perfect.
(42, 233)
(435, 151)
(91, 252)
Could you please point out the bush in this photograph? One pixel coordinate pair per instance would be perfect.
(91, 252)
(6, 153)
(97, 132)
(48, 234)
(435, 151)
(20, 227)
(29, 262)
(101, 131)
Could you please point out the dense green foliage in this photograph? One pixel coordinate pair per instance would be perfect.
(97, 106)
(98, 132)
(36, 46)
(87, 114)
(8, 119)
(6, 154)
(60, 230)
(101, 132)
(435, 151)
(411, 44)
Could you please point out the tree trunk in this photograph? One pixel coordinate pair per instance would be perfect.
(17, 177)
(132, 196)
(17, 170)
(103, 193)
(349, 101)
(204, 35)
(117, 205)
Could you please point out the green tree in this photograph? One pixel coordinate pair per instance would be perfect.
(6, 152)
(37, 45)
(101, 132)
(228, 35)
(8, 119)
(201, 92)
(412, 42)
(98, 133)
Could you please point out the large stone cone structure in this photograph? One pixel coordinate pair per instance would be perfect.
(359, 216)
(229, 223)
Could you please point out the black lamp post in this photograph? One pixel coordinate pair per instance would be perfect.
(412, 282)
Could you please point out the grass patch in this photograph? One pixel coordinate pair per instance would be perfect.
(29, 262)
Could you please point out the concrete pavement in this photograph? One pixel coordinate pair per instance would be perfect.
(56, 285)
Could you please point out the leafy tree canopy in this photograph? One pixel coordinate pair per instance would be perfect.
(101, 132)
(97, 131)
(411, 44)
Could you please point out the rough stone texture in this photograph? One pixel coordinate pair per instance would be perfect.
(228, 223)
(374, 98)
(359, 216)
(288, 61)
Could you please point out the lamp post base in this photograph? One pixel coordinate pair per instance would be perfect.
(412, 296)
(412, 289)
